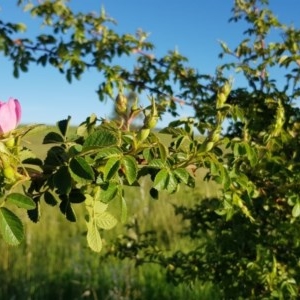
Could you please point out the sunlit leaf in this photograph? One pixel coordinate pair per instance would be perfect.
(111, 168)
(105, 220)
(108, 153)
(124, 210)
(20, 200)
(161, 180)
(93, 237)
(130, 168)
(101, 138)
(108, 191)
(296, 210)
(11, 227)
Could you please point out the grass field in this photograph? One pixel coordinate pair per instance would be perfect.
(54, 262)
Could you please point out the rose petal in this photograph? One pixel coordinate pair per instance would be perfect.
(10, 115)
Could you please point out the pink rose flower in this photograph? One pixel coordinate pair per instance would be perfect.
(10, 115)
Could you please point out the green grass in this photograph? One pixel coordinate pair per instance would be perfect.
(54, 262)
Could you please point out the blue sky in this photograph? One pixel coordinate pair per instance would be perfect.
(192, 26)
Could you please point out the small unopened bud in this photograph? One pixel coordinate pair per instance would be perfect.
(152, 118)
(223, 94)
(10, 143)
(9, 173)
(121, 104)
(143, 134)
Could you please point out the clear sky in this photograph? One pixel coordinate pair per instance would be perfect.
(191, 26)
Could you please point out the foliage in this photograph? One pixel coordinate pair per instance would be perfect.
(248, 237)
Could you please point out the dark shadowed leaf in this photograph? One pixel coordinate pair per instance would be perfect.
(67, 210)
(50, 199)
(53, 137)
(62, 180)
(76, 196)
(80, 170)
(63, 126)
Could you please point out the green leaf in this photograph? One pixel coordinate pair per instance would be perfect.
(35, 214)
(93, 237)
(124, 210)
(56, 156)
(62, 180)
(63, 126)
(130, 168)
(108, 191)
(157, 163)
(108, 153)
(172, 183)
(111, 168)
(163, 151)
(296, 210)
(67, 210)
(49, 198)
(53, 137)
(161, 180)
(11, 227)
(105, 220)
(21, 200)
(80, 170)
(182, 174)
(76, 196)
(101, 138)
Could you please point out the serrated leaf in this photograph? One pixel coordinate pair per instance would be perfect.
(101, 138)
(131, 168)
(53, 137)
(105, 220)
(163, 152)
(157, 163)
(62, 180)
(108, 153)
(161, 180)
(111, 168)
(35, 214)
(182, 174)
(108, 191)
(21, 200)
(93, 237)
(67, 210)
(11, 227)
(172, 183)
(80, 170)
(49, 198)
